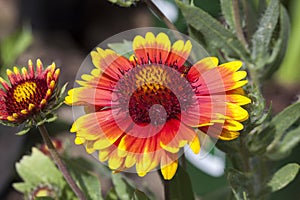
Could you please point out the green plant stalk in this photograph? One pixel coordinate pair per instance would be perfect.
(160, 14)
(55, 156)
(238, 25)
(167, 190)
(254, 167)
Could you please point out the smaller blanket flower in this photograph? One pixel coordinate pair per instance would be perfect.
(30, 95)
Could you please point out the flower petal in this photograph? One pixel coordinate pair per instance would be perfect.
(175, 135)
(180, 52)
(100, 127)
(169, 164)
(110, 63)
(151, 49)
(200, 67)
(88, 96)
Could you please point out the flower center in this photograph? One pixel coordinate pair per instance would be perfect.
(153, 94)
(24, 91)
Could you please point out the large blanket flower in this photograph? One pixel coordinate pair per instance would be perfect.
(140, 111)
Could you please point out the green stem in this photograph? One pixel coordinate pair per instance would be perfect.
(167, 189)
(160, 14)
(254, 167)
(183, 161)
(55, 156)
(238, 25)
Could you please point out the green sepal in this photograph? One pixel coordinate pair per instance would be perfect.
(24, 131)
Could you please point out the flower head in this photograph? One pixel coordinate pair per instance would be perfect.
(141, 111)
(30, 94)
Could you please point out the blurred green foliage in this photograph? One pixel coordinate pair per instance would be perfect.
(290, 70)
(12, 46)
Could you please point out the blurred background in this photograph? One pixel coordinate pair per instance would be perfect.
(65, 31)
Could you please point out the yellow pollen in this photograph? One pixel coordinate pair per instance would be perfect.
(24, 91)
(151, 78)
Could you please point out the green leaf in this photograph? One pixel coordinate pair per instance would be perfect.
(87, 182)
(284, 148)
(262, 37)
(280, 123)
(23, 187)
(14, 45)
(122, 48)
(239, 183)
(251, 13)
(181, 186)
(216, 36)
(228, 13)
(112, 195)
(283, 176)
(138, 195)
(37, 169)
(280, 47)
(125, 190)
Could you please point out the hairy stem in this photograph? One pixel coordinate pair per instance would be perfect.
(238, 25)
(55, 156)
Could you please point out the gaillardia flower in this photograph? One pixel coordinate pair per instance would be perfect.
(30, 95)
(142, 110)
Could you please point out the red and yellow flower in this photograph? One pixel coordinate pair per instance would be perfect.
(30, 93)
(141, 111)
